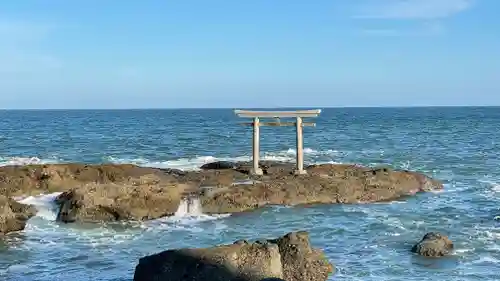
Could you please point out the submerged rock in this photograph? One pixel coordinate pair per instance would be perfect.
(14, 215)
(127, 192)
(433, 244)
(290, 258)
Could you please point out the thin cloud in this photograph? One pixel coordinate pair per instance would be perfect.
(427, 29)
(413, 9)
(429, 16)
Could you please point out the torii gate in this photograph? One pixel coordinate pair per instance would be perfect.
(299, 114)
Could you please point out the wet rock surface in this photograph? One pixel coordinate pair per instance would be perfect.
(128, 192)
(290, 258)
(13, 215)
(433, 244)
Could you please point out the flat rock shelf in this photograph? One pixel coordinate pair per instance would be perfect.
(97, 193)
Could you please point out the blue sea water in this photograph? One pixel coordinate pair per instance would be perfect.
(460, 146)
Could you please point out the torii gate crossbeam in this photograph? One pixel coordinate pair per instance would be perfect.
(299, 124)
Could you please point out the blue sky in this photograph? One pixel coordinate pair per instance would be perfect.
(259, 53)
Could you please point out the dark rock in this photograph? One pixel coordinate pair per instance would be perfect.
(219, 165)
(14, 215)
(174, 172)
(433, 244)
(262, 241)
(290, 258)
(268, 167)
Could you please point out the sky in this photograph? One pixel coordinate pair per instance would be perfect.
(261, 53)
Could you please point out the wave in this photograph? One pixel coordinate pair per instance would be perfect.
(311, 156)
(493, 185)
(22, 161)
(44, 205)
(44, 228)
(184, 163)
(195, 162)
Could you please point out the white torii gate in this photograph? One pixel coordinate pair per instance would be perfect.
(299, 114)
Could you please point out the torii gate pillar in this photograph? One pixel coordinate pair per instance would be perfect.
(299, 124)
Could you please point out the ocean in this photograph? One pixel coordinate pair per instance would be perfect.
(458, 145)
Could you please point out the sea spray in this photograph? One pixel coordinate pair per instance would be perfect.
(44, 204)
(189, 207)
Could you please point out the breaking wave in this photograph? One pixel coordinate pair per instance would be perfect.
(44, 205)
(193, 163)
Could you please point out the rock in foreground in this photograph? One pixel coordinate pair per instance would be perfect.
(290, 258)
(14, 215)
(433, 244)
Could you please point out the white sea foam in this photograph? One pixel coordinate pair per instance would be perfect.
(196, 162)
(187, 217)
(387, 202)
(44, 232)
(189, 211)
(495, 186)
(486, 259)
(193, 163)
(492, 190)
(189, 207)
(20, 161)
(491, 235)
(438, 191)
(44, 204)
(462, 251)
(494, 247)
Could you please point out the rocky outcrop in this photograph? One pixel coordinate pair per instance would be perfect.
(128, 192)
(290, 258)
(37, 179)
(433, 244)
(324, 184)
(116, 202)
(13, 215)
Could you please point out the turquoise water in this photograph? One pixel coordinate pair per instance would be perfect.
(460, 146)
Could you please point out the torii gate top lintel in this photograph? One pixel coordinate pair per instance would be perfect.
(298, 114)
(271, 114)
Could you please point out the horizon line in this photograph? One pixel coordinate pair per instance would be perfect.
(232, 108)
